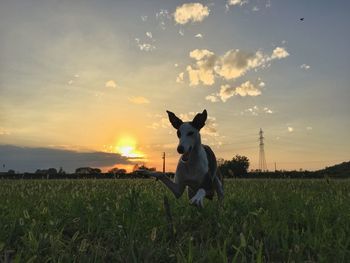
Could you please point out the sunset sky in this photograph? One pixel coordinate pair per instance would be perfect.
(89, 82)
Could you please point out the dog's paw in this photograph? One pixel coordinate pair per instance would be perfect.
(198, 198)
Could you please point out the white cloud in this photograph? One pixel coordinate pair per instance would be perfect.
(255, 9)
(237, 2)
(190, 12)
(163, 14)
(110, 84)
(149, 34)
(308, 128)
(212, 98)
(203, 71)
(181, 32)
(144, 18)
(279, 52)
(199, 35)
(290, 129)
(255, 111)
(146, 47)
(163, 17)
(176, 65)
(262, 84)
(180, 78)
(233, 64)
(245, 89)
(76, 76)
(304, 66)
(70, 82)
(139, 100)
(267, 110)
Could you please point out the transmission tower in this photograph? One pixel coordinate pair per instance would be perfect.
(262, 161)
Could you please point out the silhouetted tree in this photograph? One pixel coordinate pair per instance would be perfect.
(87, 170)
(61, 171)
(144, 167)
(236, 167)
(12, 172)
(117, 171)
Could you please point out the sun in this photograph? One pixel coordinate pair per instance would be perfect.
(126, 146)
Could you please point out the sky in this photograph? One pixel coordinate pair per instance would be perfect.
(87, 78)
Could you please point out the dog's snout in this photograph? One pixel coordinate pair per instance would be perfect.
(180, 149)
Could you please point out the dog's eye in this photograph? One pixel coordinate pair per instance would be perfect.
(178, 134)
(190, 133)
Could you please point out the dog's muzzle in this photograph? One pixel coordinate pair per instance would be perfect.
(185, 155)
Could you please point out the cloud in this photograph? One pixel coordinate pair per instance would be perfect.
(4, 131)
(203, 71)
(262, 84)
(144, 46)
(308, 128)
(304, 66)
(233, 64)
(267, 110)
(255, 9)
(245, 89)
(279, 52)
(181, 32)
(255, 111)
(139, 100)
(180, 78)
(237, 2)
(290, 129)
(212, 98)
(190, 12)
(111, 84)
(149, 35)
(144, 18)
(199, 35)
(162, 17)
(27, 159)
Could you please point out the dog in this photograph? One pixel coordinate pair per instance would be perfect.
(197, 168)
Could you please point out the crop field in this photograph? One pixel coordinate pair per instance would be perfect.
(126, 221)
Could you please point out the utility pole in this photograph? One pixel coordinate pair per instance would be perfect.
(163, 162)
(262, 161)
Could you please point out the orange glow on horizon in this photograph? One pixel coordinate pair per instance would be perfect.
(126, 146)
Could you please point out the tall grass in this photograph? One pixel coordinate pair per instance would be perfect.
(125, 221)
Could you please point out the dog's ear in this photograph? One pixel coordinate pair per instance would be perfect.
(199, 120)
(174, 120)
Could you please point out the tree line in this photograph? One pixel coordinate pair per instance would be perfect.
(237, 167)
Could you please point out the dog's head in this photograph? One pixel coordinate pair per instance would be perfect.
(187, 132)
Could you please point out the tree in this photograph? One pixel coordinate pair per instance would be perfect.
(144, 167)
(236, 167)
(117, 171)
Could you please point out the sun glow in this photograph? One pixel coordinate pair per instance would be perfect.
(126, 146)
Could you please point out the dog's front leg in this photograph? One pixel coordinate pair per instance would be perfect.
(176, 188)
(198, 198)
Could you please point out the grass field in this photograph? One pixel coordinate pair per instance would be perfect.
(125, 221)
